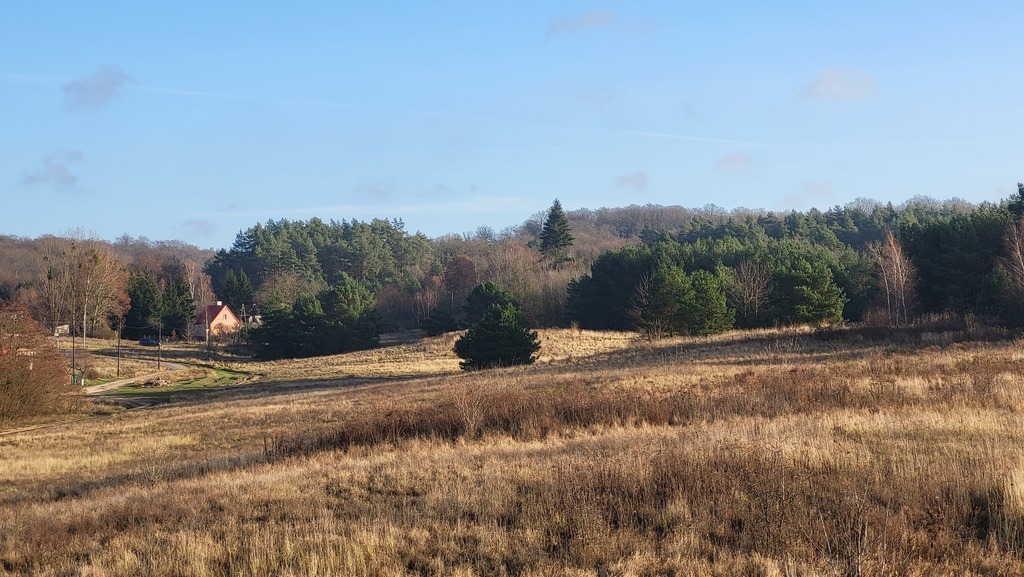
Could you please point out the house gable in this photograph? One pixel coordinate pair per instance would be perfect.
(220, 319)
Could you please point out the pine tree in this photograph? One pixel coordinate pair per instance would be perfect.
(659, 302)
(556, 236)
(818, 299)
(350, 314)
(238, 291)
(708, 312)
(144, 312)
(1016, 204)
(482, 298)
(341, 318)
(273, 339)
(178, 310)
(306, 337)
(501, 338)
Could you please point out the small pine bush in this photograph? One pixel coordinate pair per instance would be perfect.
(500, 338)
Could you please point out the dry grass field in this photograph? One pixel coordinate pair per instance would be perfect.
(787, 452)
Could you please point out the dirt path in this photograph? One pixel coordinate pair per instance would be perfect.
(97, 389)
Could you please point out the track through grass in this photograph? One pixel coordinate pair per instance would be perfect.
(195, 379)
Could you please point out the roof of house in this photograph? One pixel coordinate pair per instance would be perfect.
(214, 311)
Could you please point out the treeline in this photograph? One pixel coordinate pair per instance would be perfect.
(663, 270)
(96, 288)
(702, 287)
(271, 265)
(850, 263)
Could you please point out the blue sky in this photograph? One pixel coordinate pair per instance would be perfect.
(192, 121)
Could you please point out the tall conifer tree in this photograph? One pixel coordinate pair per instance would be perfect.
(556, 236)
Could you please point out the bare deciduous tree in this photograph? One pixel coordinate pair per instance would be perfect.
(200, 286)
(653, 325)
(896, 276)
(1012, 263)
(512, 267)
(80, 278)
(56, 281)
(748, 289)
(460, 276)
(427, 298)
(101, 285)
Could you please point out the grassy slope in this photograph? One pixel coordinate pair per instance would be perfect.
(759, 453)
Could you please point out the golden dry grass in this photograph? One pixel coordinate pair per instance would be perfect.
(752, 453)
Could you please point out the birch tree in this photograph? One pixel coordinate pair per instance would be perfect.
(896, 278)
(200, 287)
(1012, 265)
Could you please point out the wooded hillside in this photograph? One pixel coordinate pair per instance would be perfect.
(660, 269)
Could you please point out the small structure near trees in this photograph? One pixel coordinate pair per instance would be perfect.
(218, 319)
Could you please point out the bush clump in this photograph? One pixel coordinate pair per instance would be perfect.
(33, 376)
(500, 338)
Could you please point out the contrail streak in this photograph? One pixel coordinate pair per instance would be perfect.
(411, 111)
(649, 134)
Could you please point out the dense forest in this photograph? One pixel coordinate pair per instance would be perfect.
(657, 269)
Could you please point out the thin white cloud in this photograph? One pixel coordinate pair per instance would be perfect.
(438, 191)
(601, 100)
(453, 115)
(55, 171)
(811, 194)
(393, 110)
(819, 189)
(586, 21)
(199, 227)
(710, 140)
(635, 180)
(476, 205)
(377, 191)
(96, 90)
(692, 138)
(688, 109)
(735, 163)
(841, 85)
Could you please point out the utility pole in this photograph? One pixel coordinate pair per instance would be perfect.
(159, 343)
(245, 325)
(71, 329)
(120, 327)
(206, 315)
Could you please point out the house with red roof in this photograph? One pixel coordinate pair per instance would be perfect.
(218, 319)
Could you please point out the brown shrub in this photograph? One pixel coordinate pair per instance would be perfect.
(33, 377)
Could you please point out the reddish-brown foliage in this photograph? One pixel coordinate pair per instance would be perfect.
(33, 375)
